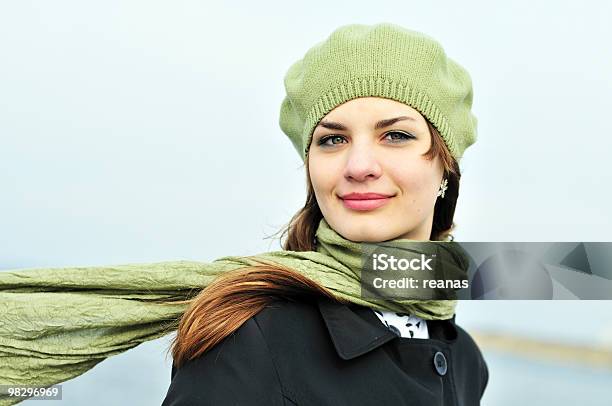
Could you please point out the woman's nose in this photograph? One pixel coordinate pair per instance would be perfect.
(362, 163)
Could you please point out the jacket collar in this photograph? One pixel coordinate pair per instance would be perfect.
(355, 330)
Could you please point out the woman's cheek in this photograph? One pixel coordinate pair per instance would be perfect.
(412, 182)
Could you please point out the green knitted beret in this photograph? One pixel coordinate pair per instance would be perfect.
(383, 60)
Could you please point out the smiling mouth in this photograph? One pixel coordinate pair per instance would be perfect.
(365, 204)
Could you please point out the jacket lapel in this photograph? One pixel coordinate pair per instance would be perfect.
(354, 330)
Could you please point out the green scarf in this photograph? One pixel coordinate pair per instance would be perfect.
(58, 323)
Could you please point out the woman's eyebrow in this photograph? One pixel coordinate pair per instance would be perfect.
(381, 124)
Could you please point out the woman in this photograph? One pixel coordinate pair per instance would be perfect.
(373, 109)
(381, 117)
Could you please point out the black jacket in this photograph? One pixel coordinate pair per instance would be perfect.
(321, 352)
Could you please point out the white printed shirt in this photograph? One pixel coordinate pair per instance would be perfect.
(403, 324)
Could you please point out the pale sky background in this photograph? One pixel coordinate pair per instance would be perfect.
(145, 131)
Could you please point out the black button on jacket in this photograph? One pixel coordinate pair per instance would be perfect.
(321, 352)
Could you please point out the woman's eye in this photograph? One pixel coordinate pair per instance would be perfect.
(395, 137)
(323, 141)
(401, 136)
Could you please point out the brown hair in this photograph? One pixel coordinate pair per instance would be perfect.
(231, 299)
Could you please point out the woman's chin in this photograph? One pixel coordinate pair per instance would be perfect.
(364, 230)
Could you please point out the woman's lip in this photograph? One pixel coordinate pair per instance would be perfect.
(365, 204)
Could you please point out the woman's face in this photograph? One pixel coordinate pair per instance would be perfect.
(362, 147)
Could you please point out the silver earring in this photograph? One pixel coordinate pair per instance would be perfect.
(443, 188)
